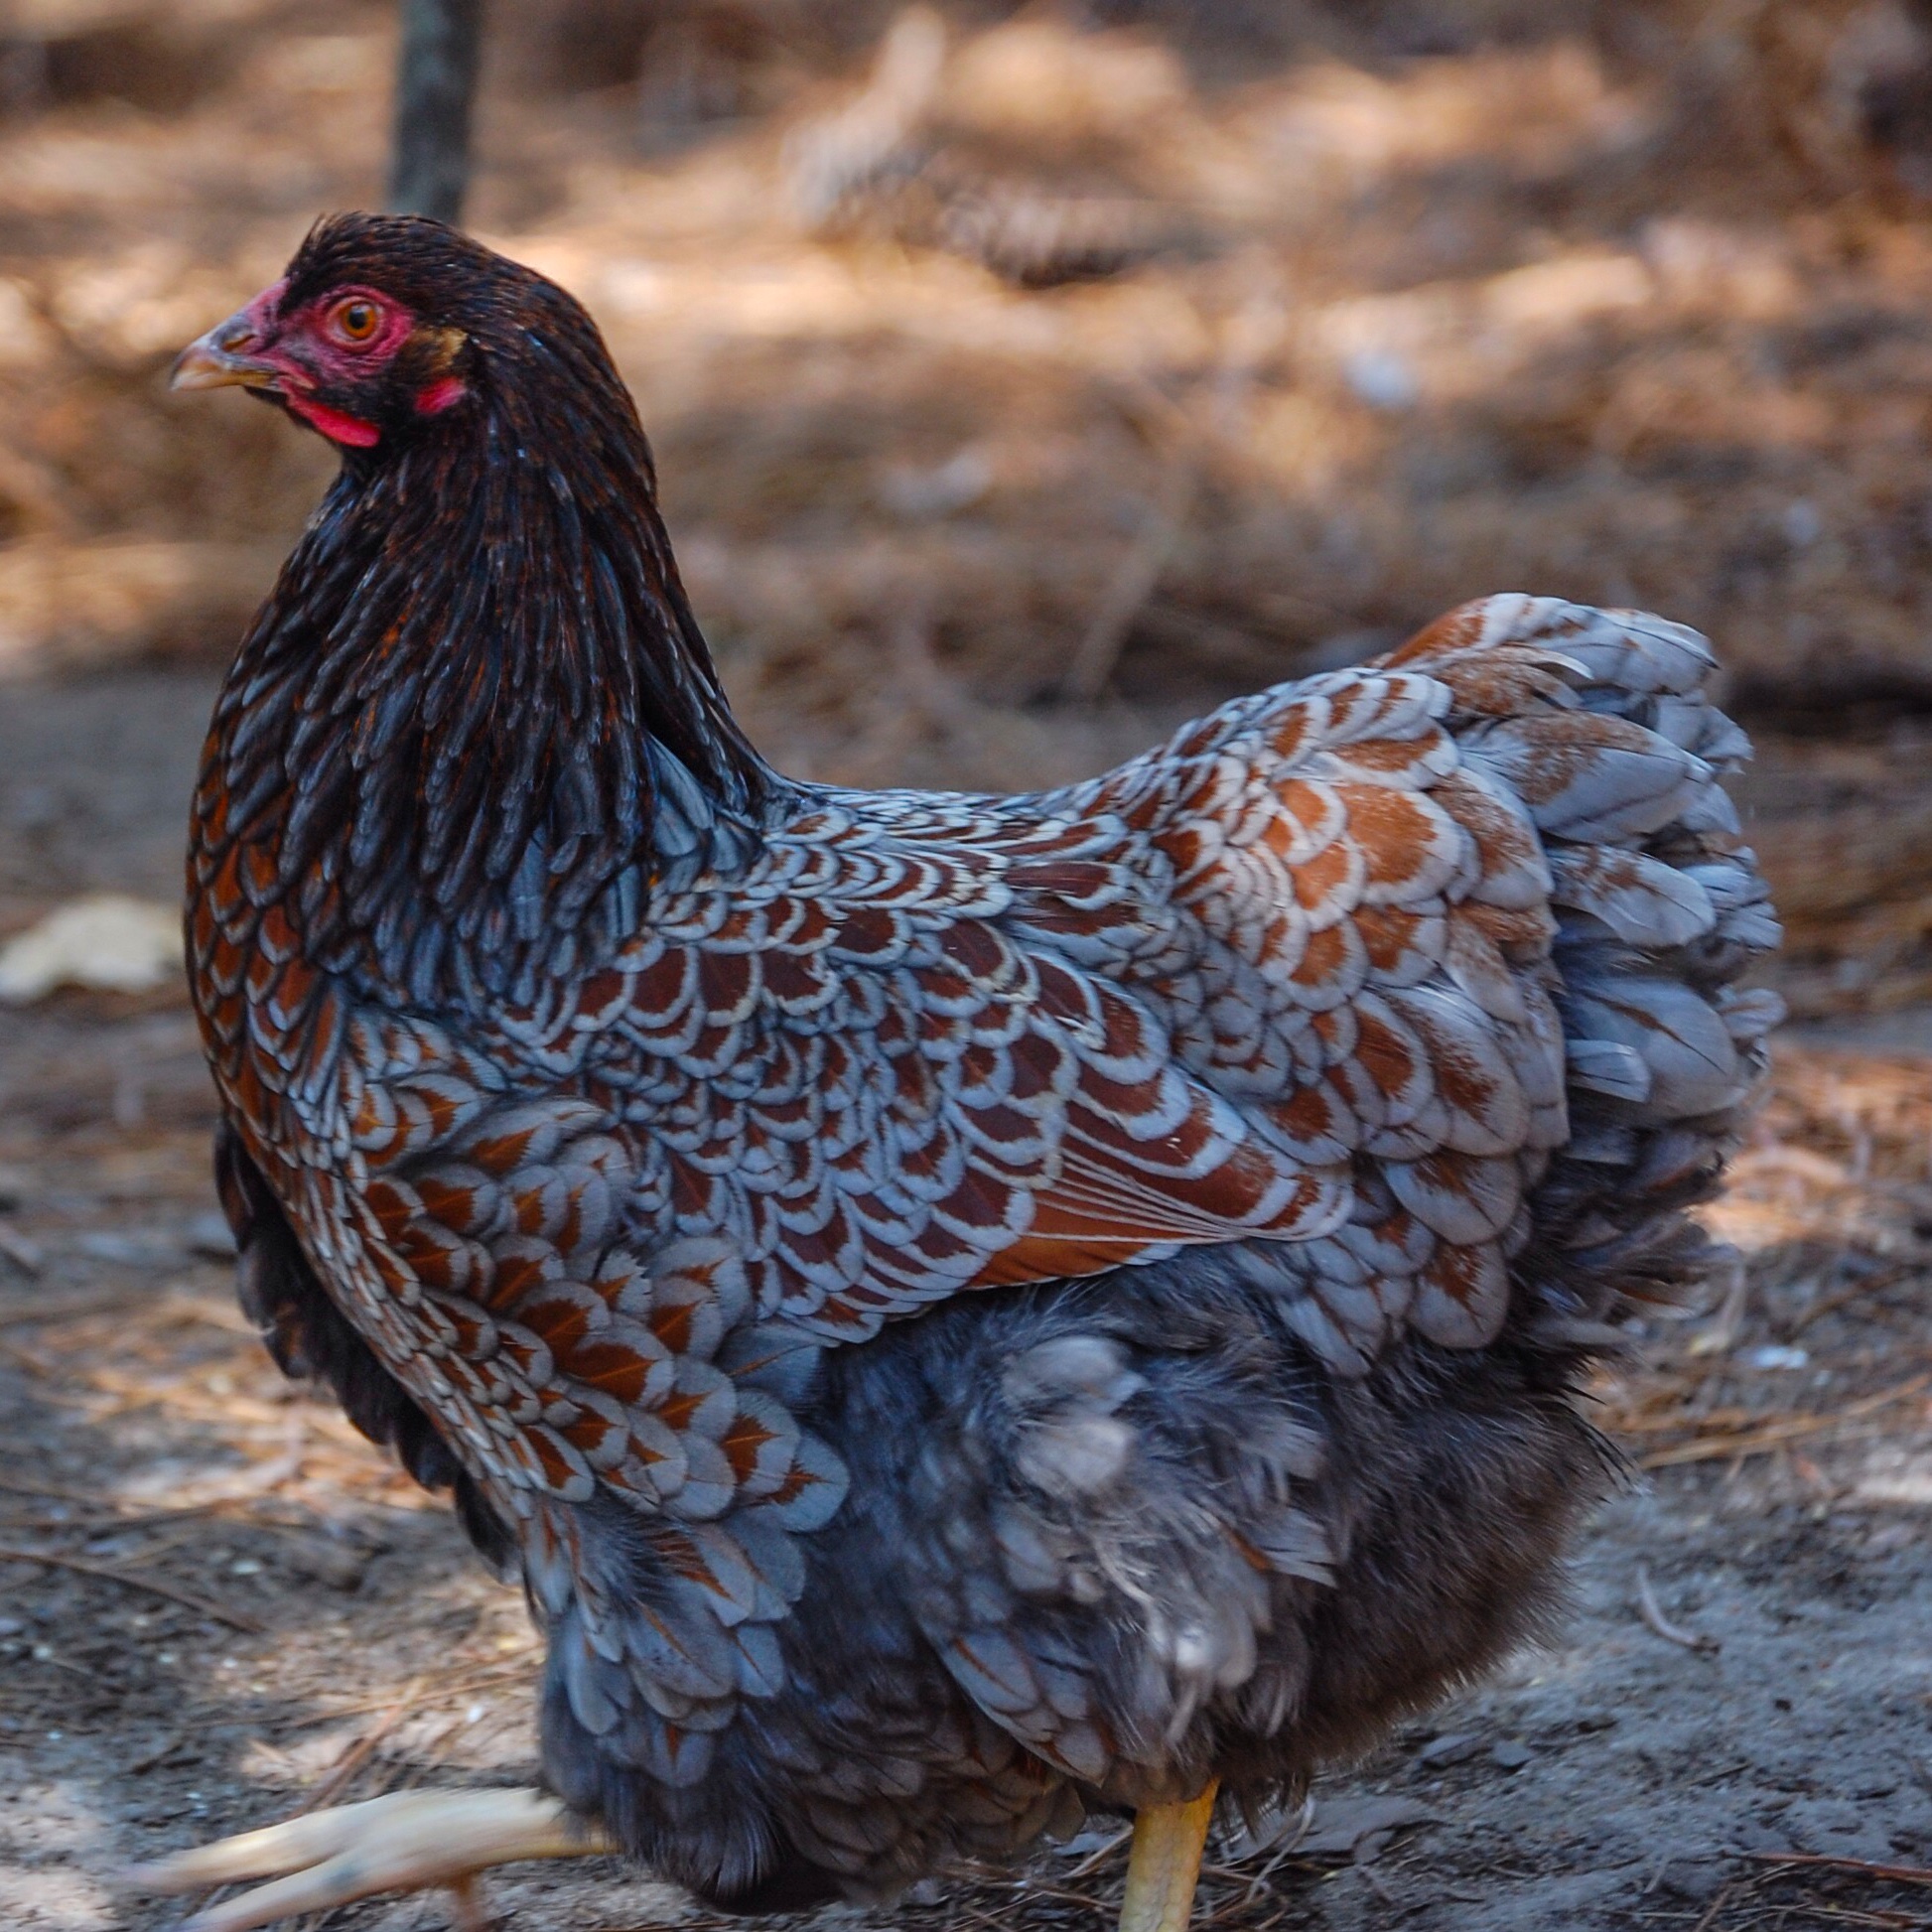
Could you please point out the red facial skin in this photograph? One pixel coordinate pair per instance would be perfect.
(329, 344)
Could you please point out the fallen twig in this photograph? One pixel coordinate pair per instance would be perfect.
(98, 1521)
(1896, 1874)
(1652, 1613)
(359, 1753)
(1712, 1448)
(978, 1918)
(1710, 1911)
(62, 1311)
(1376, 1884)
(51, 1491)
(458, 1684)
(1724, 1449)
(1720, 1335)
(1871, 1284)
(206, 1606)
(1037, 1886)
(23, 1253)
(36, 1365)
(149, 1759)
(117, 1513)
(1100, 1857)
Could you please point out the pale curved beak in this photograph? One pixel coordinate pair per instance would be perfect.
(216, 359)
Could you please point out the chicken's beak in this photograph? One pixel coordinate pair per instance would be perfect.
(215, 359)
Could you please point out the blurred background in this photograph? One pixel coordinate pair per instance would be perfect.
(1023, 380)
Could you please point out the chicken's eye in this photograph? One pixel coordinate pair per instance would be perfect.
(357, 319)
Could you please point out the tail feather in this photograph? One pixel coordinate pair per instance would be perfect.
(1661, 911)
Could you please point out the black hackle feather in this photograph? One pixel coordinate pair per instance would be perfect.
(445, 729)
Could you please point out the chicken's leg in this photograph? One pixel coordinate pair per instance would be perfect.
(407, 1842)
(415, 1839)
(1164, 1864)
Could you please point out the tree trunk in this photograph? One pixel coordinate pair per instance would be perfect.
(436, 84)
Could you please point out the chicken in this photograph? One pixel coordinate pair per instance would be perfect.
(960, 1311)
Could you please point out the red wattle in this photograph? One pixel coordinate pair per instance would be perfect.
(334, 423)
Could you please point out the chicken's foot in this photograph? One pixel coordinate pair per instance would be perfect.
(407, 1842)
(1164, 1864)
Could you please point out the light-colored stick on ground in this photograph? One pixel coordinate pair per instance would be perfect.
(409, 1841)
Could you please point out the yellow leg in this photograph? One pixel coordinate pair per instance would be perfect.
(1164, 1864)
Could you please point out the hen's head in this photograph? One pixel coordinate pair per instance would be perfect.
(385, 326)
(488, 580)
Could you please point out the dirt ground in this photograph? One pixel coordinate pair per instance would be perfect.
(219, 1605)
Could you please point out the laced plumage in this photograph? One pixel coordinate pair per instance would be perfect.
(960, 1309)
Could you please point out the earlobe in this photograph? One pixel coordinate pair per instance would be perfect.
(435, 398)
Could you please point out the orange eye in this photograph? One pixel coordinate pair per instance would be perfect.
(357, 320)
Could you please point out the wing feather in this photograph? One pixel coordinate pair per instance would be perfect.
(1285, 982)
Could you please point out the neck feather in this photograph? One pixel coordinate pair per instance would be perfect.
(476, 720)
